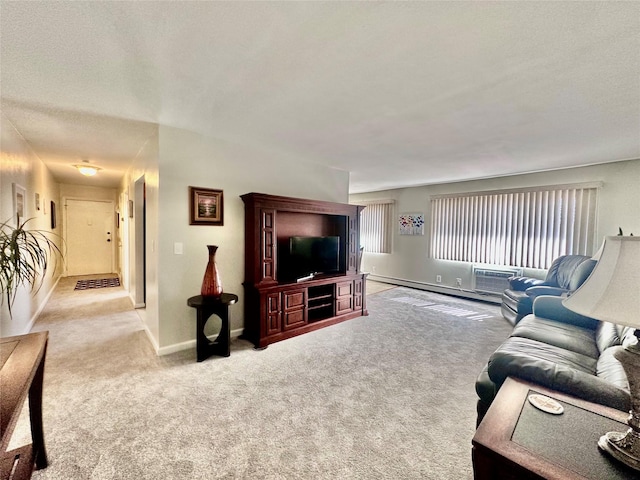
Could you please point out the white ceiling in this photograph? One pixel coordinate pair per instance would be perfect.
(397, 93)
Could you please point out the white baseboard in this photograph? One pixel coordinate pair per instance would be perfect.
(433, 287)
(177, 347)
(151, 338)
(43, 304)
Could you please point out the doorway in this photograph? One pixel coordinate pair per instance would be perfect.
(140, 234)
(89, 236)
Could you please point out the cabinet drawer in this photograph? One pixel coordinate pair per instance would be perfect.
(344, 305)
(344, 289)
(294, 308)
(294, 319)
(294, 299)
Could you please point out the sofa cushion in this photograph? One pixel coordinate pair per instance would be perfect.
(555, 368)
(535, 361)
(627, 335)
(581, 273)
(561, 271)
(559, 334)
(610, 369)
(608, 335)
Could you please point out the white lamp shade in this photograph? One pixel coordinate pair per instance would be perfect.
(612, 291)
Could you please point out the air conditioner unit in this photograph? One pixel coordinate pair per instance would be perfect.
(493, 280)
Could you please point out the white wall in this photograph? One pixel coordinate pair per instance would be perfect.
(189, 159)
(18, 164)
(145, 166)
(619, 206)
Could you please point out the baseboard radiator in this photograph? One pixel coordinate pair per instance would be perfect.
(493, 280)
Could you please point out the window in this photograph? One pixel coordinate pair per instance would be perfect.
(375, 226)
(520, 228)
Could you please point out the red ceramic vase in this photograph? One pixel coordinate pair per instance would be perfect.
(211, 285)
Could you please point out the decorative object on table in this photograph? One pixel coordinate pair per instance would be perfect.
(411, 223)
(25, 257)
(205, 206)
(612, 294)
(546, 404)
(211, 284)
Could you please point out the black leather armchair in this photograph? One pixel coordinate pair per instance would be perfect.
(565, 275)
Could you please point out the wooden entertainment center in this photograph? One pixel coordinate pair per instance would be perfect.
(276, 309)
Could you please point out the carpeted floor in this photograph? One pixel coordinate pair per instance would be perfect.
(386, 396)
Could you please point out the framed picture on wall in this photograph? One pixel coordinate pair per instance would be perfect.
(19, 205)
(411, 224)
(205, 206)
(53, 214)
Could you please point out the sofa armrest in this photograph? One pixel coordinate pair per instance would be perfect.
(551, 307)
(539, 290)
(520, 284)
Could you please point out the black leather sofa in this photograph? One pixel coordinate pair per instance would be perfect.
(561, 350)
(565, 275)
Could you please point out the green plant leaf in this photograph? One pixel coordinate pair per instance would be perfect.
(24, 259)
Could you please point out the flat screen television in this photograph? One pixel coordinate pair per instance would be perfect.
(313, 255)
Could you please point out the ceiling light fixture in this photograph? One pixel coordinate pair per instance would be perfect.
(86, 169)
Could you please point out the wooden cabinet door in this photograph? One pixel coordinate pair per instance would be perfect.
(354, 243)
(344, 297)
(358, 291)
(268, 245)
(294, 311)
(273, 315)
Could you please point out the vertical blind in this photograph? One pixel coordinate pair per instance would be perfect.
(375, 226)
(521, 228)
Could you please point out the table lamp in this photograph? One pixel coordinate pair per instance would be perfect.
(612, 294)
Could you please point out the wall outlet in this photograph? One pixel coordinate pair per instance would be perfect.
(373, 268)
(458, 282)
(438, 278)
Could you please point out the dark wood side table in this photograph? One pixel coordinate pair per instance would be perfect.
(515, 440)
(21, 374)
(205, 307)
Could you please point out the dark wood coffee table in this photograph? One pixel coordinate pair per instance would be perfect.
(517, 441)
(21, 374)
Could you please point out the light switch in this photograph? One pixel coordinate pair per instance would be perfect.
(177, 248)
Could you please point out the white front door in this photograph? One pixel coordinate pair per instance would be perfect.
(89, 237)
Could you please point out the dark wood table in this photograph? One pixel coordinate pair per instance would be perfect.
(21, 374)
(515, 440)
(205, 307)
